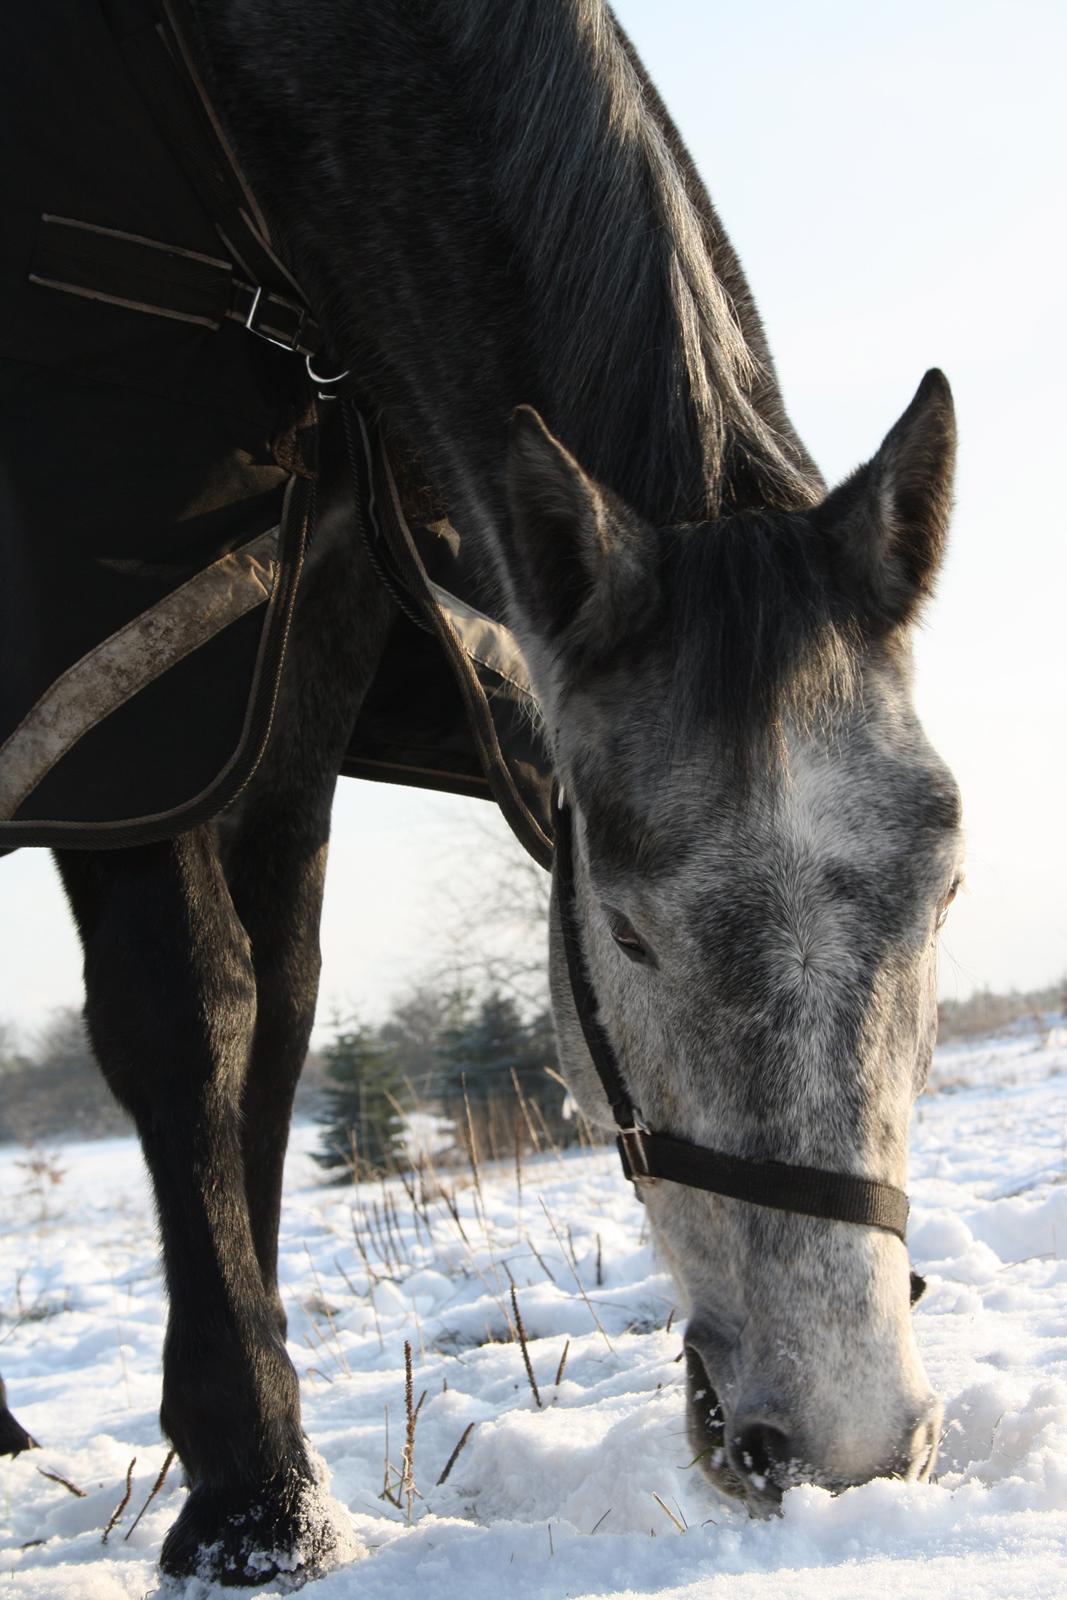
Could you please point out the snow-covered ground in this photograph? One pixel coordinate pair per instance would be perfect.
(591, 1495)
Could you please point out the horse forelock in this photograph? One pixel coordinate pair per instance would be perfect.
(744, 637)
(762, 635)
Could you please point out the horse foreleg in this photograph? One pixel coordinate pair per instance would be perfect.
(275, 866)
(274, 844)
(171, 1008)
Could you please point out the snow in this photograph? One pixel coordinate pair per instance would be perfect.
(592, 1494)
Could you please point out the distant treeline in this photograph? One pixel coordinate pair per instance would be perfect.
(985, 1012)
(441, 1049)
(51, 1087)
(468, 1060)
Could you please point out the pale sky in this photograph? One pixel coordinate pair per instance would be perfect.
(892, 178)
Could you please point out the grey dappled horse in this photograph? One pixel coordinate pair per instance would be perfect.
(489, 208)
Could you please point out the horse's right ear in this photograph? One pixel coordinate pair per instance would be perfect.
(886, 525)
(576, 560)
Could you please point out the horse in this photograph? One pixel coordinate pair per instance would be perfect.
(493, 216)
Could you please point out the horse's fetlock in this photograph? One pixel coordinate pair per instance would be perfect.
(250, 1532)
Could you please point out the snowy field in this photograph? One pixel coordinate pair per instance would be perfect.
(592, 1494)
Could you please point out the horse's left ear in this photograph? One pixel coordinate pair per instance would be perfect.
(577, 563)
(887, 524)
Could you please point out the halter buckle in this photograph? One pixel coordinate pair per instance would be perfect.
(631, 1142)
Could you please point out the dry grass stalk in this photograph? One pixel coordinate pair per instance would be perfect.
(495, 1290)
(349, 1285)
(454, 1457)
(518, 1169)
(668, 1512)
(123, 1503)
(599, 1264)
(392, 1224)
(361, 1247)
(490, 1131)
(472, 1145)
(421, 1221)
(545, 1129)
(559, 1379)
(525, 1348)
(328, 1314)
(377, 1230)
(525, 1109)
(407, 1479)
(670, 1319)
(589, 1138)
(581, 1288)
(545, 1268)
(156, 1487)
(448, 1196)
(372, 1279)
(377, 1319)
(65, 1483)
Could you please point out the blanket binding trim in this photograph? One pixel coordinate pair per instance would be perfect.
(488, 643)
(109, 675)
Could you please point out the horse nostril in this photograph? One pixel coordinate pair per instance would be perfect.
(759, 1453)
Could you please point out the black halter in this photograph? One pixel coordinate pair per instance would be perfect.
(811, 1191)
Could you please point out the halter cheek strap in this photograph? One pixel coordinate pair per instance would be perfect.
(809, 1191)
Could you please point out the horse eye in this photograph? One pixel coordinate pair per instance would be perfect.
(952, 893)
(626, 937)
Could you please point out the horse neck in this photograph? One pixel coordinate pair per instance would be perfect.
(485, 212)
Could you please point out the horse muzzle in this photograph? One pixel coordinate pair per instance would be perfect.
(755, 1449)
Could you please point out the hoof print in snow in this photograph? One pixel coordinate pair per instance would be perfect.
(293, 1531)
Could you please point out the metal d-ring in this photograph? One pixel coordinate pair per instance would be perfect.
(321, 381)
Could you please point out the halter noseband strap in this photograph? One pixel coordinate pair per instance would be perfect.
(811, 1191)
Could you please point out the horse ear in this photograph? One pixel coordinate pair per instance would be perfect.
(575, 562)
(887, 523)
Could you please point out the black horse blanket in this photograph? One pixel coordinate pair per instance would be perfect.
(160, 448)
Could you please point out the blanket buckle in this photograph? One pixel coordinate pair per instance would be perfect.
(252, 323)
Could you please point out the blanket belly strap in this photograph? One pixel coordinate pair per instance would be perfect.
(123, 664)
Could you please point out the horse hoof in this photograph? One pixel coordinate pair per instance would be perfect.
(13, 1436)
(292, 1529)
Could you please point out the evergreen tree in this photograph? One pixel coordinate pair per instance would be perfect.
(480, 1050)
(414, 1027)
(363, 1130)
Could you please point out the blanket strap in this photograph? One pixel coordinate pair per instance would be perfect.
(164, 280)
(247, 282)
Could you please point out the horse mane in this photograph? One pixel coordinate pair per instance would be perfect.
(616, 243)
(655, 340)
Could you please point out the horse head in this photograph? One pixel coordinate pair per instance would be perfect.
(765, 845)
